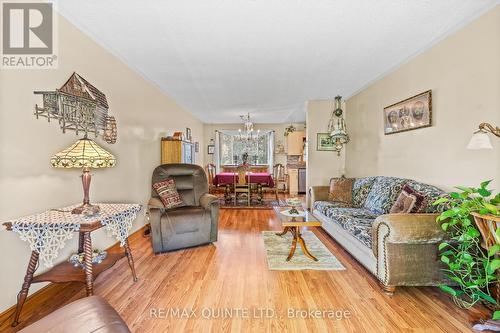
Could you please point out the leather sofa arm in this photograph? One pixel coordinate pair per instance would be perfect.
(206, 200)
(406, 249)
(318, 193)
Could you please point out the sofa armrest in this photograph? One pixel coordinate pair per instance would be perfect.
(206, 200)
(406, 249)
(318, 193)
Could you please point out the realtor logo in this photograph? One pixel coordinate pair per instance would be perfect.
(28, 35)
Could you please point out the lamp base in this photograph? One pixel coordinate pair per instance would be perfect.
(86, 209)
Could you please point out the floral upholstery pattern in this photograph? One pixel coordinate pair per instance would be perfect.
(384, 192)
(431, 194)
(360, 190)
(323, 206)
(356, 221)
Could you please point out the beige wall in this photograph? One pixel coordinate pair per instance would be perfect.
(27, 182)
(279, 130)
(321, 165)
(463, 72)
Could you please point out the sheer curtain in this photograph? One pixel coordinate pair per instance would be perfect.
(270, 152)
(217, 152)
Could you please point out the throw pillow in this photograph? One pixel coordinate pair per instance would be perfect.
(341, 190)
(168, 193)
(409, 201)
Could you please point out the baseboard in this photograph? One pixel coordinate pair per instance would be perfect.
(40, 296)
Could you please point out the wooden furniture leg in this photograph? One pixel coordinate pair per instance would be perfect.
(80, 242)
(285, 230)
(128, 252)
(292, 249)
(303, 246)
(21, 297)
(87, 254)
(389, 290)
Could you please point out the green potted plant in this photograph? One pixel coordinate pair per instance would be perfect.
(470, 267)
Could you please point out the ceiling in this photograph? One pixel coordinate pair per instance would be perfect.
(223, 58)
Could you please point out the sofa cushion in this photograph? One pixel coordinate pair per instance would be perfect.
(356, 221)
(168, 193)
(360, 190)
(323, 206)
(408, 201)
(341, 190)
(431, 194)
(383, 194)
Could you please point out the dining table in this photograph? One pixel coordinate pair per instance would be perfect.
(228, 178)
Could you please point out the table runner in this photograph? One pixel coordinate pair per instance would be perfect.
(48, 232)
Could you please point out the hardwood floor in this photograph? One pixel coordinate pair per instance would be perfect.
(232, 274)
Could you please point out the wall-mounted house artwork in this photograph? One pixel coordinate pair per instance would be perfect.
(411, 113)
(78, 106)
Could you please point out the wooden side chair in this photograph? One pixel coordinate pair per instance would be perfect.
(240, 184)
(210, 170)
(279, 178)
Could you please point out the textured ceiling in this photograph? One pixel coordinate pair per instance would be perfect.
(220, 59)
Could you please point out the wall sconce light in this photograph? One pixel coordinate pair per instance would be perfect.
(480, 138)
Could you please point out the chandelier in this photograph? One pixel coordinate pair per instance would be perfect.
(336, 126)
(247, 132)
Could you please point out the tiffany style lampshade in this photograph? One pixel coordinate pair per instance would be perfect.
(84, 154)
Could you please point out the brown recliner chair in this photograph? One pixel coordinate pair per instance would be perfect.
(194, 224)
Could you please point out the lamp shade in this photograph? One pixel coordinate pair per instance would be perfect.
(84, 153)
(480, 140)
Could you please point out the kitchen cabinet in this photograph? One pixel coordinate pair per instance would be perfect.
(295, 143)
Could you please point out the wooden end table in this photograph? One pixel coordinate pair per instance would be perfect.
(293, 225)
(66, 272)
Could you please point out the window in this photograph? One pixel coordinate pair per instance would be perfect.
(232, 148)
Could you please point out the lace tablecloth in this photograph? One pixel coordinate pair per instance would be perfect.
(48, 232)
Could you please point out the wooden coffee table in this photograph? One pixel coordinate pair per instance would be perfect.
(293, 225)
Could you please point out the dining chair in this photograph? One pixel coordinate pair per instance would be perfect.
(279, 178)
(210, 169)
(240, 184)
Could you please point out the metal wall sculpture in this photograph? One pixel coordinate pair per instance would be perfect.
(78, 106)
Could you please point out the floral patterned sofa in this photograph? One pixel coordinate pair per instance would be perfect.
(400, 249)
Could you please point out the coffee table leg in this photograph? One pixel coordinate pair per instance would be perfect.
(87, 252)
(21, 298)
(285, 230)
(304, 248)
(294, 246)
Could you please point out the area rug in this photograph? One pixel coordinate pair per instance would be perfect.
(278, 247)
(243, 204)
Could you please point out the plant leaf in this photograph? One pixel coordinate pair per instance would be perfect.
(493, 250)
(448, 290)
(496, 315)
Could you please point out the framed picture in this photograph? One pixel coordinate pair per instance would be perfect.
(188, 134)
(211, 149)
(412, 113)
(325, 142)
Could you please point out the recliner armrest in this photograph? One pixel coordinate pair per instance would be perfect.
(155, 203)
(206, 200)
